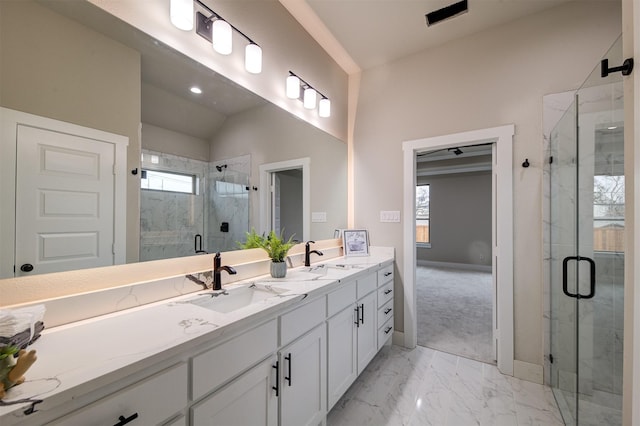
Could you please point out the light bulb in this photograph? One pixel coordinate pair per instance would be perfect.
(181, 13)
(221, 36)
(253, 58)
(293, 87)
(309, 101)
(324, 108)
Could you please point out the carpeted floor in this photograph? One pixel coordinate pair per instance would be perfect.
(455, 312)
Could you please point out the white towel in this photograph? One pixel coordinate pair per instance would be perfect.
(14, 321)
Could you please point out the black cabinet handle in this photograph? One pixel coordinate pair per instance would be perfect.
(357, 311)
(288, 358)
(387, 274)
(388, 291)
(388, 330)
(124, 420)
(277, 386)
(362, 313)
(386, 311)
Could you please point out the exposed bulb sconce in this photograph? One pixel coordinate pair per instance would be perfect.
(215, 29)
(181, 12)
(295, 85)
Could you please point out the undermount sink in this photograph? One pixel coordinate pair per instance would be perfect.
(230, 300)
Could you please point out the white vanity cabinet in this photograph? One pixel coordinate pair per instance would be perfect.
(366, 312)
(151, 401)
(248, 400)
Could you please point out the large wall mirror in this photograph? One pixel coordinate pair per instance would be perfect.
(193, 159)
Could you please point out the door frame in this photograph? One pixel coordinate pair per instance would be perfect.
(265, 171)
(9, 121)
(502, 230)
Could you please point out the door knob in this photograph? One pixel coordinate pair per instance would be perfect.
(27, 267)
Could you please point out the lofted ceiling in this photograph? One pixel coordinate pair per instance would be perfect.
(361, 34)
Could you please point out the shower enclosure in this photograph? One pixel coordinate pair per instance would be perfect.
(585, 244)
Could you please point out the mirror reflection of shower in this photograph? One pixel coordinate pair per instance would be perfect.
(190, 206)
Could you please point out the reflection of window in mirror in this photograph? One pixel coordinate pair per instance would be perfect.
(422, 215)
(168, 181)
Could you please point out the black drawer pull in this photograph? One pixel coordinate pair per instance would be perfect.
(362, 314)
(124, 420)
(388, 330)
(387, 274)
(277, 386)
(288, 358)
(388, 291)
(386, 311)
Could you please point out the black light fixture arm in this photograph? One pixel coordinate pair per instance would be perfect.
(217, 16)
(306, 85)
(626, 68)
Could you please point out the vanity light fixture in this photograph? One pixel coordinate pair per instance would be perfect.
(215, 29)
(295, 85)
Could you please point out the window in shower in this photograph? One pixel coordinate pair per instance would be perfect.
(608, 213)
(169, 181)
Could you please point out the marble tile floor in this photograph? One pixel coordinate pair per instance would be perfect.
(599, 409)
(423, 386)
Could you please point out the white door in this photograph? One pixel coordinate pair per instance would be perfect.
(247, 400)
(303, 382)
(341, 354)
(367, 330)
(65, 188)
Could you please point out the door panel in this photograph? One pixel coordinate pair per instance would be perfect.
(65, 190)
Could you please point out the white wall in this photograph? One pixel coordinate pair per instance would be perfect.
(245, 133)
(493, 78)
(159, 139)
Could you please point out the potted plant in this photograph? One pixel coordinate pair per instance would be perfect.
(276, 248)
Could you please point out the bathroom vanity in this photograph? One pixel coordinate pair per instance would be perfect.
(268, 351)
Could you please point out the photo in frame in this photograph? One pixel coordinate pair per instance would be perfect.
(355, 242)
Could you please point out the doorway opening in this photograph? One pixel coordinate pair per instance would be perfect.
(501, 235)
(285, 198)
(455, 290)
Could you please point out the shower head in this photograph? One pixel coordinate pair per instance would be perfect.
(220, 167)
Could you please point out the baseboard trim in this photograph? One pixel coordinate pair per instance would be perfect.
(528, 371)
(453, 265)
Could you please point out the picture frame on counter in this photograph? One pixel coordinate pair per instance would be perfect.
(355, 242)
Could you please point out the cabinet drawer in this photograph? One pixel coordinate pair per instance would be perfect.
(385, 274)
(385, 332)
(385, 312)
(341, 298)
(385, 293)
(152, 400)
(366, 285)
(214, 367)
(297, 322)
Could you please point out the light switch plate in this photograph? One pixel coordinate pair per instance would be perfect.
(318, 216)
(392, 216)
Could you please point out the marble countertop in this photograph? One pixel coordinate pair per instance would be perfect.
(75, 358)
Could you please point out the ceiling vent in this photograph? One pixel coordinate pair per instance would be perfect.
(447, 12)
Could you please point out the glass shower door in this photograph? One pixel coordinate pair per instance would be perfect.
(587, 252)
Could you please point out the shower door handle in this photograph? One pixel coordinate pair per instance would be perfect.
(592, 277)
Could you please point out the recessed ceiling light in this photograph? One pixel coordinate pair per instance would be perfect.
(196, 90)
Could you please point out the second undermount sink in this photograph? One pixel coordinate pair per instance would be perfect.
(235, 298)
